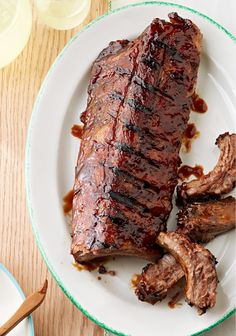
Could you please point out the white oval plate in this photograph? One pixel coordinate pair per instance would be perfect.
(52, 154)
(11, 297)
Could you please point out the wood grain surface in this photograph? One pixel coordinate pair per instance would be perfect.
(19, 85)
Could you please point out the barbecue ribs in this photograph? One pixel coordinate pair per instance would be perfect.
(201, 222)
(137, 110)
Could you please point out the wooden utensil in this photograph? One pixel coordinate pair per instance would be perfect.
(31, 303)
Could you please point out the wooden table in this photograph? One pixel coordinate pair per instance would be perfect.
(19, 85)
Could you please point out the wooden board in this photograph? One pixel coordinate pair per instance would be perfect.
(19, 85)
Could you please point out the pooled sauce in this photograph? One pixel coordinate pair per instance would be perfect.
(185, 172)
(97, 264)
(102, 270)
(112, 273)
(190, 134)
(77, 131)
(135, 280)
(67, 202)
(198, 104)
(174, 300)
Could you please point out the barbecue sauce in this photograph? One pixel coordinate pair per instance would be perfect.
(185, 172)
(89, 266)
(135, 280)
(198, 104)
(77, 131)
(102, 270)
(190, 134)
(97, 264)
(174, 300)
(67, 202)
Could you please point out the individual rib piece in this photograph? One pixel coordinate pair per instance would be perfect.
(199, 221)
(138, 108)
(221, 179)
(156, 279)
(199, 269)
(204, 221)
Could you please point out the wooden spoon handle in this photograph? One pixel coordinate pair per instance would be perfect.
(32, 302)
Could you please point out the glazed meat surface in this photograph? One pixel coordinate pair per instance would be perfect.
(137, 110)
(199, 269)
(221, 179)
(201, 222)
(204, 221)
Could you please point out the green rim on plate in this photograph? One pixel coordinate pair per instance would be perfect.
(28, 147)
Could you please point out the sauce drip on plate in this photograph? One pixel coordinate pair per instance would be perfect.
(185, 172)
(67, 202)
(102, 270)
(174, 300)
(77, 131)
(135, 280)
(198, 104)
(190, 134)
(91, 265)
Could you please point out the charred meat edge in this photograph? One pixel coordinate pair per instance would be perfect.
(220, 180)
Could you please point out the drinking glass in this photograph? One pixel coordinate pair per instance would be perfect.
(63, 14)
(15, 28)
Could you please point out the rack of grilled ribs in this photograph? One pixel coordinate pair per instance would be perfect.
(199, 221)
(221, 180)
(137, 110)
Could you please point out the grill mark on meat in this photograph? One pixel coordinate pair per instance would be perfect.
(131, 223)
(146, 194)
(139, 107)
(170, 50)
(133, 179)
(122, 71)
(146, 135)
(143, 141)
(150, 62)
(132, 127)
(144, 85)
(128, 201)
(116, 96)
(118, 221)
(150, 87)
(177, 76)
(140, 168)
(126, 148)
(131, 188)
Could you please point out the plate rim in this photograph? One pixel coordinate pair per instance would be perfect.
(19, 289)
(35, 111)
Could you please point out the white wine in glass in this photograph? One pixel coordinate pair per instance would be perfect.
(15, 28)
(63, 14)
